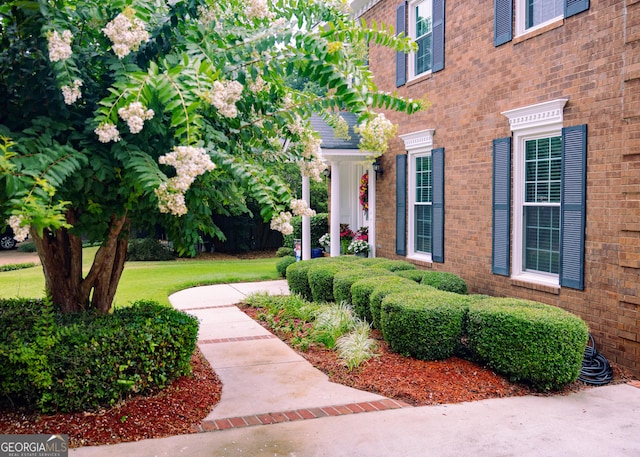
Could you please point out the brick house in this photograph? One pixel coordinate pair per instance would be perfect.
(523, 176)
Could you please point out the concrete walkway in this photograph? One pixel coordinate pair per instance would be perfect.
(274, 403)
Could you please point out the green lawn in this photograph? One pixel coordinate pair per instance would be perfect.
(150, 280)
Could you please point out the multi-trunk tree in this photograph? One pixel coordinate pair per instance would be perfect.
(140, 113)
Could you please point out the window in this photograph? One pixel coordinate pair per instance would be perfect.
(549, 197)
(537, 12)
(541, 205)
(425, 207)
(422, 20)
(421, 30)
(531, 15)
(422, 227)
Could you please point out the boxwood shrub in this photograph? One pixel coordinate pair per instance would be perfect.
(344, 279)
(321, 280)
(361, 295)
(441, 280)
(528, 341)
(298, 280)
(283, 263)
(149, 249)
(88, 361)
(387, 286)
(424, 323)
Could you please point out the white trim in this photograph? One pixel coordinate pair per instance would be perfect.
(531, 122)
(521, 16)
(417, 144)
(535, 116)
(421, 140)
(411, 32)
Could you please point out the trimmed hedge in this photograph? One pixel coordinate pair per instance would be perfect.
(285, 252)
(439, 279)
(388, 286)
(283, 264)
(298, 280)
(397, 265)
(424, 323)
(148, 249)
(321, 281)
(361, 295)
(528, 341)
(344, 279)
(54, 362)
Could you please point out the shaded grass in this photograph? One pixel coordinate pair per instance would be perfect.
(150, 280)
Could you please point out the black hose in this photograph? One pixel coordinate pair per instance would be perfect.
(595, 367)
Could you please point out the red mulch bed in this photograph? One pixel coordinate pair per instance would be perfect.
(175, 410)
(182, 406)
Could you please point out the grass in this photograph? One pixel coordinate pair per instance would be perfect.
(150, 280)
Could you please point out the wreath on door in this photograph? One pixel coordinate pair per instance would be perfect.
(364, 192)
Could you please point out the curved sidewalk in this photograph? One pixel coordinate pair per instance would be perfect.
(274, 403)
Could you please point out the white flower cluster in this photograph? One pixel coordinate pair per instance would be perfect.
(60, 46)
(282, 223)
(20, 232)
(135, 115)
(340, 5)
(258, 85)
(170, 200)
(107, 132)
(341, 129)
(126, 32)
(72, 93)
(189, 162)
(301, 208)
(375, 134)
(224, 97)
(310, 146)
(259, 9)
(296, 126)
(312, 169)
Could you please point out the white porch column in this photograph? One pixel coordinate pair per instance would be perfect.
(306, 221)
(335, 210)
(372, 211)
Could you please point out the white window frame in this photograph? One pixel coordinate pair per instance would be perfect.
(411, 32)
(521, 19)
(416, 144)
(542, 120)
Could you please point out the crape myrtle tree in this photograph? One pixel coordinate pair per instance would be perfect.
(138, 113)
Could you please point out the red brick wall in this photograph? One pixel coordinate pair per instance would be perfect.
(593, 59)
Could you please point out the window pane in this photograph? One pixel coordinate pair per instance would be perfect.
(423, 25)
(542, 238)
(539, 11)
(424, 184)
(542, 170)
(423, 55)
(423, 228)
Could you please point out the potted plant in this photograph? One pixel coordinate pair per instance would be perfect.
(325, 242)
(359, 247)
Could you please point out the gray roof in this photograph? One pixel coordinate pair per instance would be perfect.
(329, 140)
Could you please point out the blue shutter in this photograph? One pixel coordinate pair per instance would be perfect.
(401, 57)
(437, 205)
(437, 53)
(573, 206)
(572, 7)
(501, 238)
(401, 204)
(502, 21)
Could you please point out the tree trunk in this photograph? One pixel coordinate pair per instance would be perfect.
(60, 253)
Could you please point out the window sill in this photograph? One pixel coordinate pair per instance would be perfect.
(535, 283)
(534, 33)
(419, 79)
(420, 260)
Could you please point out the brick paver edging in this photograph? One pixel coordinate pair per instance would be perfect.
(298, 415)
(237, 338)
